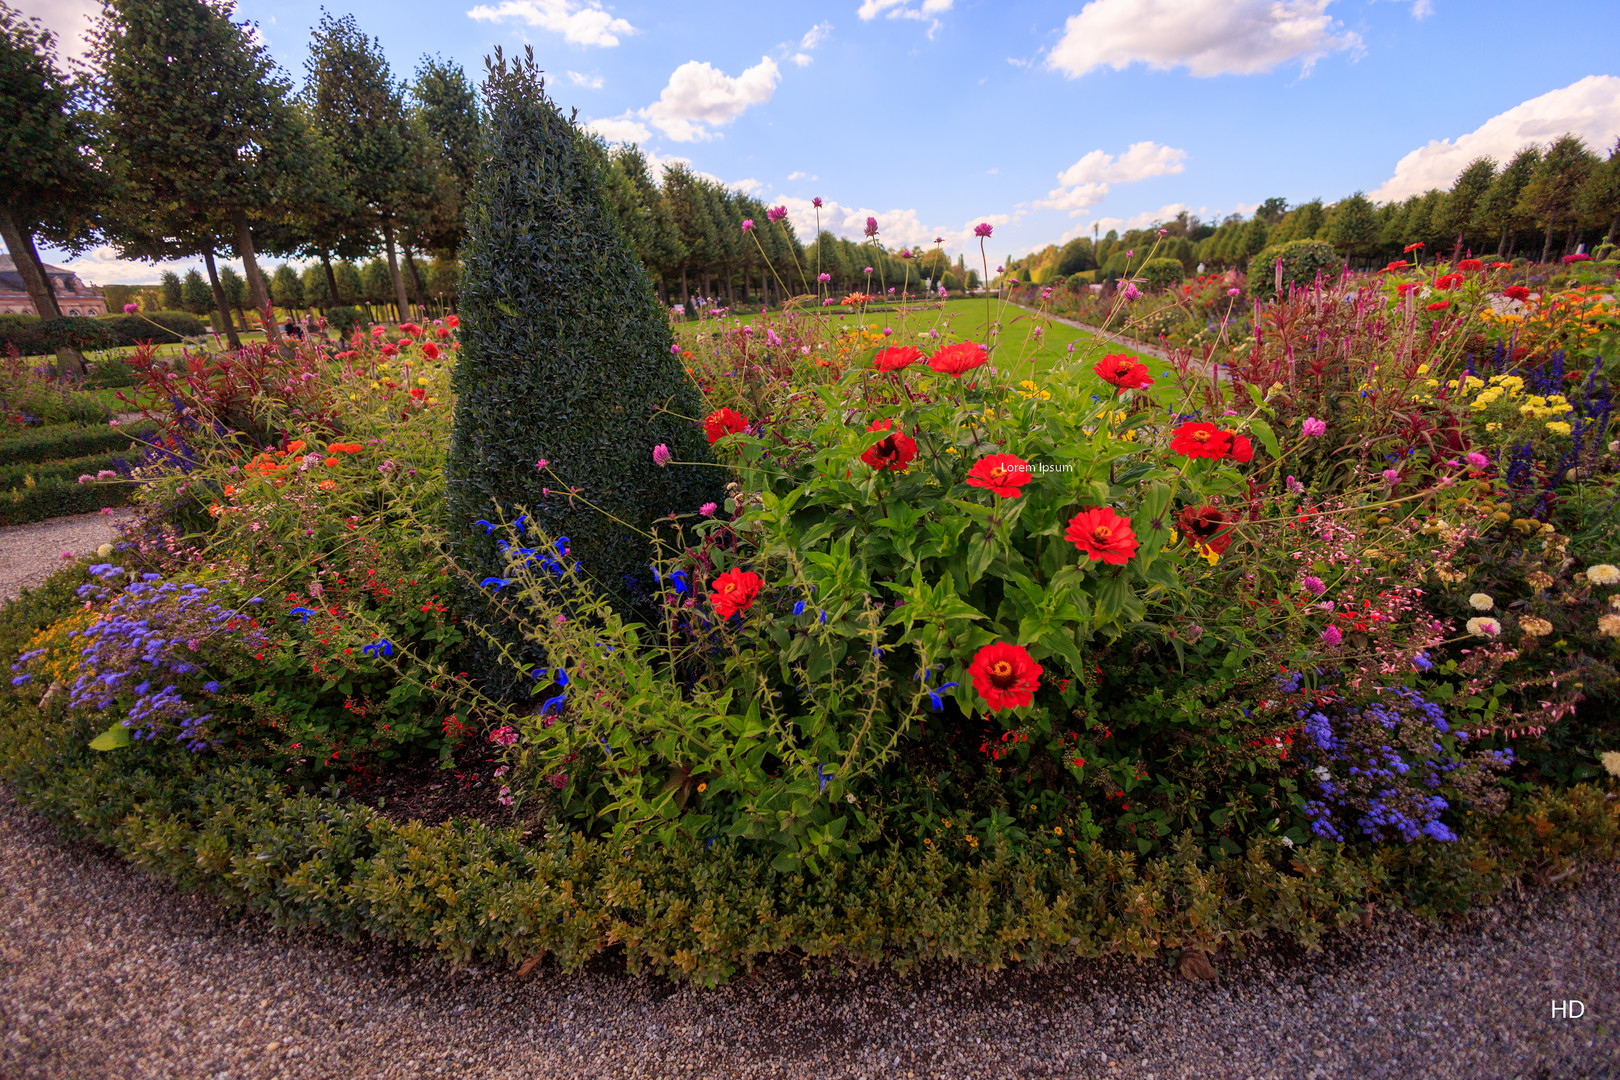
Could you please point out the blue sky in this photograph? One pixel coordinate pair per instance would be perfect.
(1041, 117)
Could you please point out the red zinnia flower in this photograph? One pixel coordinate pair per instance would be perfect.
(1398, 264)
(896, 357)
(1005, 676)
(1501, 266)
(1003, 474)
(894, 452)
(1103, 535)
(1207, 526)
(1405, 287)
(430, 350)
(1470, 265)
(953, 360)
(1199, 440)
(734, 591)
(1411, 247)
(1448, 281)
(1242, 450)
(1516, 292)
(389, 350)
(442, 334)
(723, 422)
(452, 320)
(1125, 372)
(1438, 305)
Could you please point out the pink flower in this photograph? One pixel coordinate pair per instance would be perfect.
(748, 224)
(541, 464)
(1313, 585)
(1477, 459)
(776, 213)
(130, 309)
(505, 797)
(869, 271)
(823, 278)
(1294, 486)
(939, 239)
(1232, 292)
(674, 350)
(1331, 637)
(1313, 427)
(661, 456)
(67, 555)
(1130, 291)
(708, 509)
(816, 202)
(1392, 477)
(504, 736)
(871, 226)
(982, 230)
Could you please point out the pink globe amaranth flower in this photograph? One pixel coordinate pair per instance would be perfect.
(816, 202)
(939, 239)
(748, 224)
(776, 213)
(1312, 427)
(1232, 292)
(868, 270)
(708, 509)
(871, 226)
(983, 230)
(1313, 585)
(1392, 477)
(130, 309)
(1477, 459)
(1164, 232)
(1000, 269)
(675, 350)
(1331, 636)
(823, 278)
(1129, 292)
(1294, 486)
(905, 253)
(541, 464)
(661, 455)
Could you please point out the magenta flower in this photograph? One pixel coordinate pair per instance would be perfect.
(776, 213)
(1313, 427)
(1294, 486)
(823, 278)
(869, 271)
(541, 464)
(675, 350)
(130, 309)
(748, 224)
(1392, 477)
(816, 202)
(939, 239)
(661, 456)
(1232, 292)
(1477, 459)
(1331, 637)
(871, 226)
(1313, 585)
(982, 230)
(1130, 291)
(707, 509)
(905, 253)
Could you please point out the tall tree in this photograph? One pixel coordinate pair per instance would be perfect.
(195, 295)
(48, 187)
(169, 287)
(197, 120)
(1472, 183)
(446, 111)
(1352, 227)
(357, 103)
(1598, 202)
(1499, 213)
(1550, 194)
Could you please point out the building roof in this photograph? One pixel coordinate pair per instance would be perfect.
(8, 265)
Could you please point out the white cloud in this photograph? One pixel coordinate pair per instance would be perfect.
(579, 23)
(807, 44)
(993, 171)
(1589, 108)
(747, 187)
(700, 97)
(589, 82)
(797, 174)
(1207, 37)
(102, 266)
(1165, 213)
(927, 11)
(69, 20)
(620, 129)
(1085, 183)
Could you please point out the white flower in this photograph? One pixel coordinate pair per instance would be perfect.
(1322, 774)
(1486, 627)
(1481, 602)
(1609, 625)
(1289, 843)
(1603, 574)
(1611, 762)
(1535, 627)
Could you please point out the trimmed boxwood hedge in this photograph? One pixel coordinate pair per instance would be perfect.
(15, 475)
(32, 338)
(59, 497)
(469, 892)
(60, 442)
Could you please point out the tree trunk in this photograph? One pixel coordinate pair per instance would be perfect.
(257, 290)
(69, 361)
(418, 293)
(219, 299)
(331, 281)
(686, 293)
(1546, 248)
(393, 271)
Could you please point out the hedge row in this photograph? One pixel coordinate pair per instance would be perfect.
(59, 497)
(470, 892)
(31, 337)
(60, 442)
(16, 475)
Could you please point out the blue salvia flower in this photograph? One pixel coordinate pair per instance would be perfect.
(303, 613)
(380, 647)
(823, 778)
(603, 740)
(679, 578)
(498, 582)
(934, 699)
(562, 545)
(549, 702)
(517, 526)
(798, 609)
(488, 528)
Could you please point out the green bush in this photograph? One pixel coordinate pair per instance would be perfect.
(1302, 261)
(1162, 273)
(64, 441)
(18, 475)
(59, 497)
(162, 327)
(343, 320)
(565, 357)
(110, 372)
(33, 338)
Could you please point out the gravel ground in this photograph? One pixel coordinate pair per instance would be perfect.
(31, 553)
(106, 974)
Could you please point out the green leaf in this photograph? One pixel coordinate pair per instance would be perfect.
(112, 739)
(1267, 437)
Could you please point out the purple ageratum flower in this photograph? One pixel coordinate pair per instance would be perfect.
(871, 226)
(708, 509)
(1331, 637)
(823, 278)
(1477, 459)
(1312, 428)
(1294, 486)
(661, 456)
(982, 230)
(816, 202)
(1313, 585)
(776, 213)
(748, 224)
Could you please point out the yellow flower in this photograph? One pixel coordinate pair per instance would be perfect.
(1603, 574)
(1535, 627)
(703, 787)
(1057, 830)
(1558, 427)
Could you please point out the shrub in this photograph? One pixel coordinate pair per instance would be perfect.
(1302, 261)
(160, 327)
(18, 474)
(343, 320)
(31, 337)
(109, 372)
(565, 358)
(62, 441)
(58, 497)
(1162, 273)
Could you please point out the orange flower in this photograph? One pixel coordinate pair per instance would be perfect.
(1103, 535)
(328, 485)
(295, 446)
(331, 461)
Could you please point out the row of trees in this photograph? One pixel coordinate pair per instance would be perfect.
(296, 290)
(1544, 202)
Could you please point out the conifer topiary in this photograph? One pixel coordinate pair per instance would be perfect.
(566, 357)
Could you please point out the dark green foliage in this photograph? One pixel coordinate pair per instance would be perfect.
(13, 475)
(1162, 273)
(1302, 261)
(33, 338)
(343, 320)
(109, 372)
(58, 497)
(565, 356)
(195, 295)
(65, 441)
(169, 286)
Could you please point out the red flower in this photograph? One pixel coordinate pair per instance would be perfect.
(1103, 535)
(430, 350)
(953, 360)
(894, 452)
(1405, 287)
(734, 592)
(389, 350)
(1470, 266)
(1411, 247)
(410, 328)
(452, 320)
(896, 357)
(723, 422)
(1516, 292)
(1207, 526)
(1199, 440)
(442, 334)
(1398, 264)
(1438, 305)
(1005, 676)
(1501, 266)
(418, 393)
(1448, 281)
(1125, 372)
(1003, 474)
(1242, 451)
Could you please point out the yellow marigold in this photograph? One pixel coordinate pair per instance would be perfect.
(1609, 625)
(1603, 574)
(1535, 627)
(1558, 427)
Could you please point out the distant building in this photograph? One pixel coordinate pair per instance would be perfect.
(73, 296)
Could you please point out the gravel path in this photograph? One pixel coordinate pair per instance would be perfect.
(31, 553)
(106, 974)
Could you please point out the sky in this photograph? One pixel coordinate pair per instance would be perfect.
(1040, 117)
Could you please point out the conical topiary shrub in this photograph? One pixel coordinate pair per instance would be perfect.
(565, 357)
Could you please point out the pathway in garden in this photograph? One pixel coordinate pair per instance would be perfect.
(31, 553)
(106, 974)
(1107, 335)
